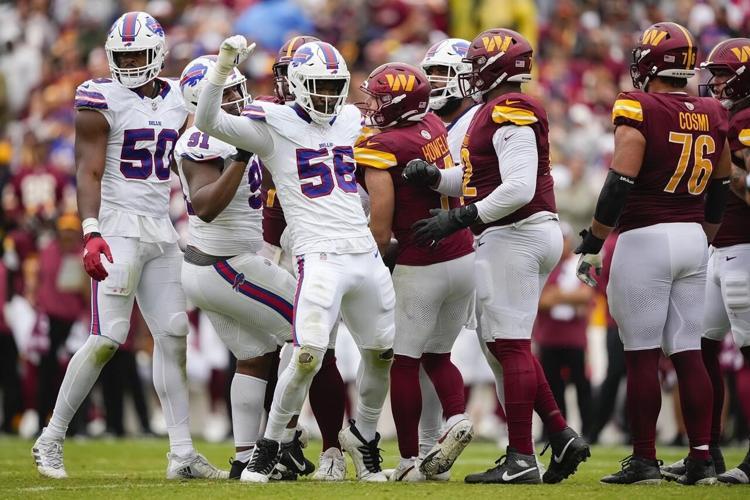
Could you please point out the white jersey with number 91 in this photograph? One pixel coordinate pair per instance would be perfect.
(238, 228)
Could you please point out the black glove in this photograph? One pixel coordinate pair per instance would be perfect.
(242, 156)
(427, 232)
(590, 244)
(419, 171)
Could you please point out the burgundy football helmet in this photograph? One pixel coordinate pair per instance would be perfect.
(664, 49)
(731, 59)
(401, 91)
(280, 67)
(497, 55)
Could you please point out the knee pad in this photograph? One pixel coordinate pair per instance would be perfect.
(117, 330)
(737, 291)
(101, 347)
(378, 357)
(178, 324)
(307, 360)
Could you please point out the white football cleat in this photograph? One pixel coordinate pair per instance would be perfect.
(365, 456)
(450, 445)
(194, 466)
(332, 466)
(407, 471)
(48, 455)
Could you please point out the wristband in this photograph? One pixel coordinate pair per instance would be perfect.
(90, 225)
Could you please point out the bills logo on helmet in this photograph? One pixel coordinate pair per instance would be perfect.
(461, 48)
(496, 43)
(397, 82)
(302, 55)
(653, 37)
(154, 26)
(194, 75)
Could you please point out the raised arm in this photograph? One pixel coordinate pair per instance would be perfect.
(240, 131)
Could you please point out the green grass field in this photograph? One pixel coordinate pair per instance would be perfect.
(135, 469)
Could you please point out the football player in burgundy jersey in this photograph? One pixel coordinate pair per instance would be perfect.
(328, 391)
(666, 192)
(728, 280)
(507, 184)
(434, 285)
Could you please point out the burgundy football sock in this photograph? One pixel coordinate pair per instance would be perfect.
(327, 400)
(448, 382)
(696, 399)
(545, 404)
(519, 381)
(710, 350)
(273, 378)
(643, 400)
(406, 403)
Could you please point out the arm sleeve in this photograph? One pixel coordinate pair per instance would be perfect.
(451, 182)
(248, 132)
(518, 159)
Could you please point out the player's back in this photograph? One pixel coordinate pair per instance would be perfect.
(142, 137)
(685, 136)
(237, 229)
(734, 228)
(392, 149)
(313, 171)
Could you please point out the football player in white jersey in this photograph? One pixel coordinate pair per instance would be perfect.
(308, 149)
(126, 131)
(247, 298)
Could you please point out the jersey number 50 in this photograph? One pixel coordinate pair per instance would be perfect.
(312, 165)
(139, 163)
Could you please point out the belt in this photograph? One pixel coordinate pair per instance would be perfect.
(198, 258)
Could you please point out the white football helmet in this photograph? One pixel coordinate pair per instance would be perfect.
(134, 32)
(193, 80)
(314, 65)
(448, 53)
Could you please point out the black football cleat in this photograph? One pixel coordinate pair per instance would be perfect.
(293, 458)
(636, 470)
(262, 462)
(568, 451)
(698, 472)
(236, 468)
(677, 469)
(511, 468)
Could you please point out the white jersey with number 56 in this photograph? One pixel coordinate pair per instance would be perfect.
(312, 167)
(143, 133)
(238, 228)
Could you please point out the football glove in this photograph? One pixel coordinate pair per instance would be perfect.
(94, 246)
(589, 248)
(233, 51)
(419, 171)
(427, 232)
(242, 156)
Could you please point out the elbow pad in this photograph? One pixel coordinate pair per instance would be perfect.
(717, 195)
(612, 198)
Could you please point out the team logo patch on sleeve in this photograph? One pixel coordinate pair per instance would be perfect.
(744, 137)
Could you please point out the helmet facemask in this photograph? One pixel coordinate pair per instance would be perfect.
(322, 97)
(135, 77)
(444, 85)
(235, 106)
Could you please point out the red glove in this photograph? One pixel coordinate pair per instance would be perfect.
(92, 262)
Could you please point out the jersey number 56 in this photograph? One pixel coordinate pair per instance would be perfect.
(317, 167)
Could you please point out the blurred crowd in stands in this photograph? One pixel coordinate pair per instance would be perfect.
(48, 47)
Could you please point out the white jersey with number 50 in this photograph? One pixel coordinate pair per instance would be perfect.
(238, 228)
(143, 133)
(312, 167)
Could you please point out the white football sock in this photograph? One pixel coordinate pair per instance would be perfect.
(291, 390)
(431, 419)
(170, 382)
(247, 395)
(373, 380)
(80, 377)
